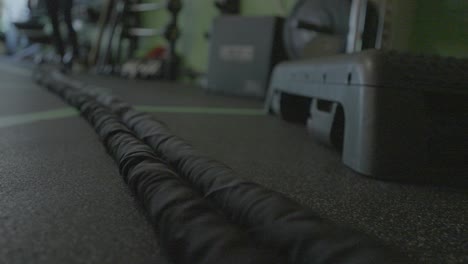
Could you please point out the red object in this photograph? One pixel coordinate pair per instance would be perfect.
(156, 53)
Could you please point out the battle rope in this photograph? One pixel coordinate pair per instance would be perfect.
(170, 178)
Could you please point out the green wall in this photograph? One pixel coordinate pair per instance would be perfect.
(154, 20)
(196, 20)
(439, 26)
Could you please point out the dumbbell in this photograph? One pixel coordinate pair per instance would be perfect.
(172, 32)
(174, 6)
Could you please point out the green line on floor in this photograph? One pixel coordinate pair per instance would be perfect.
(201, 110)
(20, 119)
(15, 70)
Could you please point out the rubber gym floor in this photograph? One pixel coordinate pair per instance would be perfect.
(62, 199)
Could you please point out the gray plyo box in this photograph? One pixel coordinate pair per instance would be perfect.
(405, 117)
(242, 53)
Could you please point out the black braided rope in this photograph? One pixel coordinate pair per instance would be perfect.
(186, 194)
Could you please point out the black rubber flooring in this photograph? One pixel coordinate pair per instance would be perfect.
(62, 199)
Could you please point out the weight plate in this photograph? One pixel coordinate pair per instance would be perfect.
(329, 17)
(320, 27)
(174, 6)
